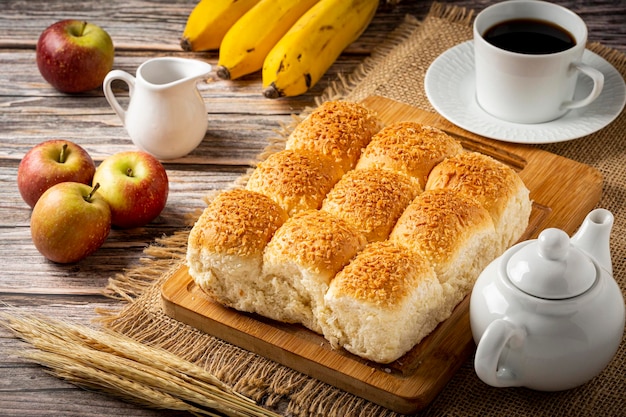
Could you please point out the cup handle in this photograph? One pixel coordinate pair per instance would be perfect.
(488, 364)
(598, 83)
(108, 92)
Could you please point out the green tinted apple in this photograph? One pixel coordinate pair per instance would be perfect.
(69, 222)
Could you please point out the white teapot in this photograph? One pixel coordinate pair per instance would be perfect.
(548, 314)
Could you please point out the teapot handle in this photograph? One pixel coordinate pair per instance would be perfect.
(108, 92)
(488, 365)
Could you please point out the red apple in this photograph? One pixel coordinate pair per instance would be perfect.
(74, 56)
(135, 185)
(50, 163)
(69, 222)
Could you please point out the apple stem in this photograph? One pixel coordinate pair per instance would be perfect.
(93, 191)
(62, 156)
(82, 28)
(129, 172)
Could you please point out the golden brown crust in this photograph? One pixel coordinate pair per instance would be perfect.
(438, 222)
(317, 268)
(479, 176)
(317, 241)
(338, 130)
(237, 222)
(410, 148)
(382, 274)
(371, 199)
(296, 179)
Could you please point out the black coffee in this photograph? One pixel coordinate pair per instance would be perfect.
(529, 36)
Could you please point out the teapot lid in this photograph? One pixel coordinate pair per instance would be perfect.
(551, 267)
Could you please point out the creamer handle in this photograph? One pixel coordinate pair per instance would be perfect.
(488, 362)
(108, 92)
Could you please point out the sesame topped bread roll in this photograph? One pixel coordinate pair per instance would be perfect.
(368, 235)
(410, 148)
(494, 185)
(382, 303)
(296, 179)
(337, 129)
(454, 232)
(226, 244)
(371, 199)
(300, 261)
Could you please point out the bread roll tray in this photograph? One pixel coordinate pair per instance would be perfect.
(563, 192)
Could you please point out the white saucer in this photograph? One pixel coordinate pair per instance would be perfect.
(449, 85)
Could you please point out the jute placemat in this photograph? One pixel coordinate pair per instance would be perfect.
(395, 71)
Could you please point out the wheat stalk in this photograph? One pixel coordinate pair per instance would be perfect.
(120, 365)
(123, 346)
(91, 378)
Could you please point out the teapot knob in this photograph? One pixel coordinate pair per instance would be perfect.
(553, 244)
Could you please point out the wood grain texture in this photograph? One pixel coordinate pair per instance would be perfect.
(410, 383)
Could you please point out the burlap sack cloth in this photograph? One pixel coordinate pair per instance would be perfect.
(396, 71)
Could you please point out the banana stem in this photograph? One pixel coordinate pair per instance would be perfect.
(222, 72)
(271, 92)
(185, 44)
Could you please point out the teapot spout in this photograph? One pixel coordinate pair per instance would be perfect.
(593, 237)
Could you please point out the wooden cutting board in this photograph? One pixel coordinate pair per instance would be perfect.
(563, 192)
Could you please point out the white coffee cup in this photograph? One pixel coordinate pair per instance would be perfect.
(525, 87)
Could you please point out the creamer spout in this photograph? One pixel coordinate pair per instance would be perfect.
(198, 69)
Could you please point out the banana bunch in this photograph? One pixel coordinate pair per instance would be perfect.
(249, 40)
(293, 42)
(209, 21)
(312, 45)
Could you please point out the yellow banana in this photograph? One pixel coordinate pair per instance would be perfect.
(312, 45)
(248, 41)
(209, 21)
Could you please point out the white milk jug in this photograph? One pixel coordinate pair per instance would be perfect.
(166, 115)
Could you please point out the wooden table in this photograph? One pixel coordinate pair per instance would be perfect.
(241, 121)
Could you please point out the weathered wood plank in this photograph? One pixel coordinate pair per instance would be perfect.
(241, 120)
(21, 78)
(232, 140)
(144, 25)
(157, 25)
